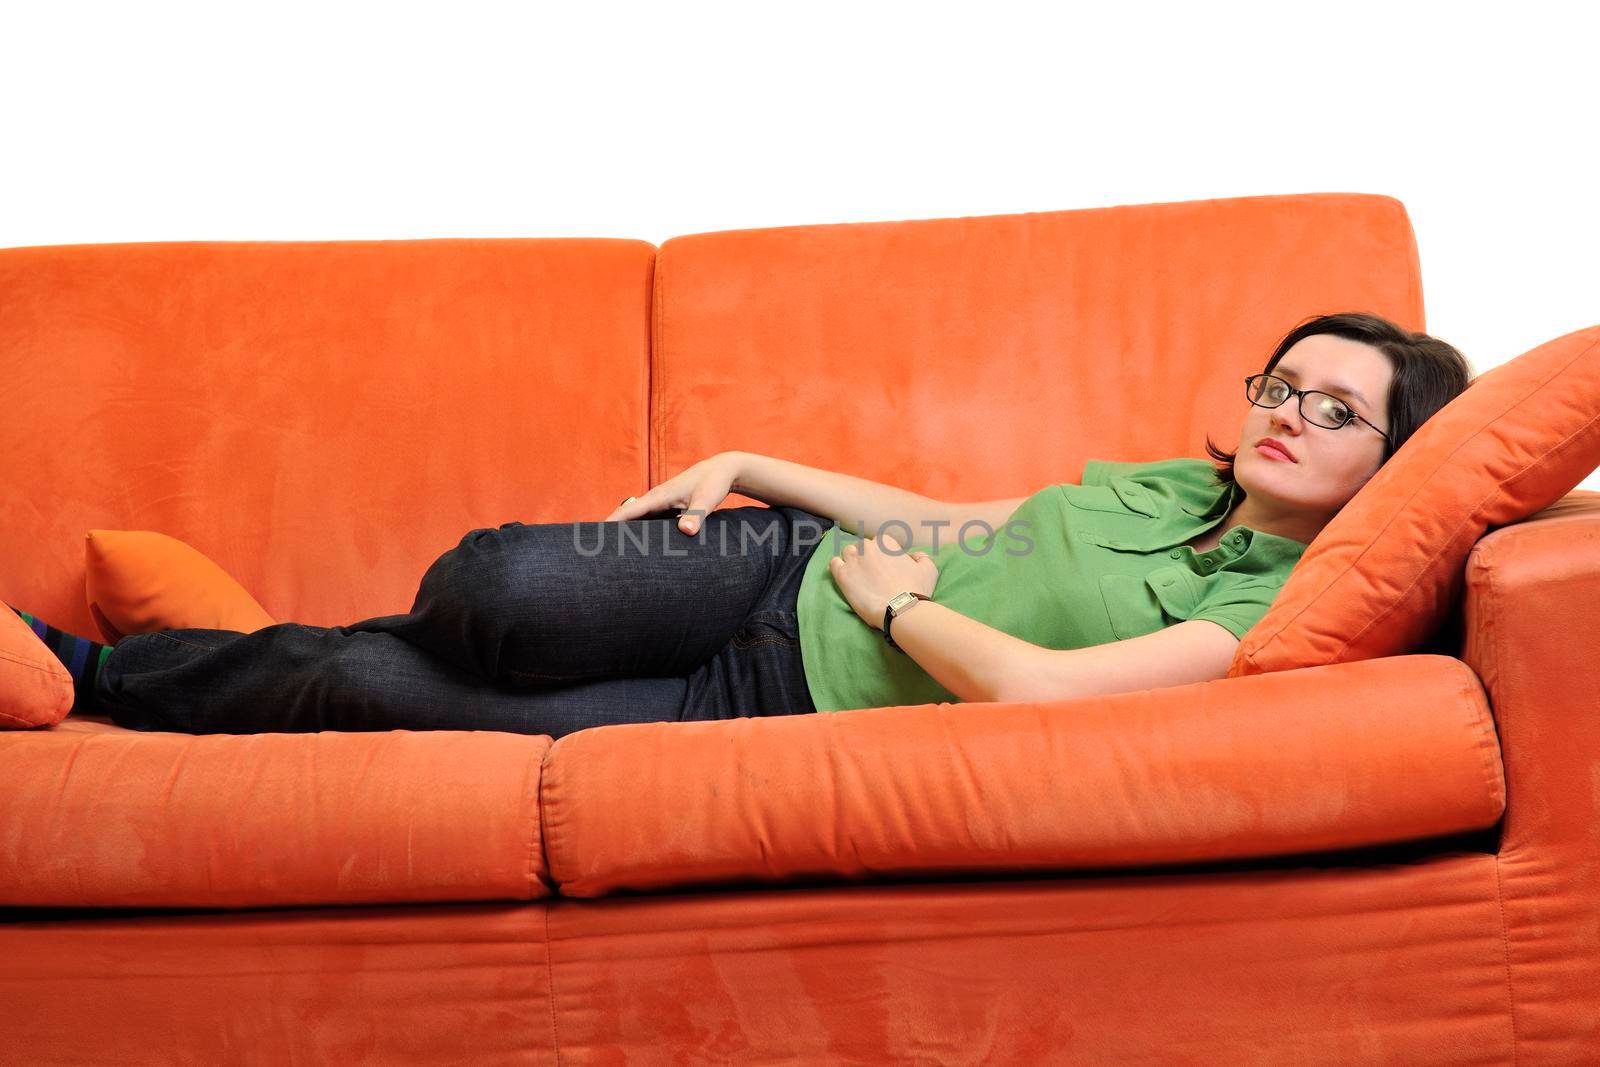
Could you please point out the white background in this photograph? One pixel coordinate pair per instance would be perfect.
(157, 121)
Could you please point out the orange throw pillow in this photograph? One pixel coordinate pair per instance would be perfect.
(35, 687)
(1389, 568)
(138, 581)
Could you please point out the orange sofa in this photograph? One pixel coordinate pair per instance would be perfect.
(1391, 861)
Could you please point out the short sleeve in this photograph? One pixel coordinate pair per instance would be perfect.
(1236, 606)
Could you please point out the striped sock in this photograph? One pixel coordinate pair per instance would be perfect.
(83, 659)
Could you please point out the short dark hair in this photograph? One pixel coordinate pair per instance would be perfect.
(1428, 374)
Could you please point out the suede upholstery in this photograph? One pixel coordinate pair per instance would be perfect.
(1389, 860)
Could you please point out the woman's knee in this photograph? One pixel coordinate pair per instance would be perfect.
(465, 576)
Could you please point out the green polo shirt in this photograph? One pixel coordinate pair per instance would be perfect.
(1076, 565)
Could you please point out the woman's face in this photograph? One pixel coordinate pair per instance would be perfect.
(1330, 466)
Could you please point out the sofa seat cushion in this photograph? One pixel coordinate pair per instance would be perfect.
(1342, 756)
(98, 816)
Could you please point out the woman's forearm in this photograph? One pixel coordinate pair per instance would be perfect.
(973, 660)
(858, 505)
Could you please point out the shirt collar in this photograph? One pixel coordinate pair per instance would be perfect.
(1210, 501)
(1214, 503)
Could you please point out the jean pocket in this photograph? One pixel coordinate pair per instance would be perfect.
(767, 628)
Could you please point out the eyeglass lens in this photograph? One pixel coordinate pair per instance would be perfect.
(1319, 408)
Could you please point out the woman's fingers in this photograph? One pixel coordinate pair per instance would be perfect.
(689, 521)
(696, 490)
(631, 508)
(621, 511)
(651, 503)
(701, 503)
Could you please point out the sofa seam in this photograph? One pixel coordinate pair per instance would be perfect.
(535, 834)
(1414, 261)
(1499, 882)
(20, 723)
(23, 661)
(1505, 947)
(544, 835)
(550, 985)
(546, 904)
(1484, 737)
(658, 323)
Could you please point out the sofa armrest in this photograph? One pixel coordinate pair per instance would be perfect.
(93, 816)
(1328, 757)
(1531, 621)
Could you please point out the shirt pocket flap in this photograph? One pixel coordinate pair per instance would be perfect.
(1175, 588)
(1118, 496)
(1140, 605)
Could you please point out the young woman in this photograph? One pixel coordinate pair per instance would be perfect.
(1145, 575)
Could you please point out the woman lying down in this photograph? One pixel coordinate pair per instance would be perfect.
(844, 593)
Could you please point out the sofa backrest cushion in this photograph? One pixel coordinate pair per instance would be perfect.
(322, 419)
(987, 357)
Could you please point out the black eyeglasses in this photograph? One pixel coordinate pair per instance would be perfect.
(1326, 410)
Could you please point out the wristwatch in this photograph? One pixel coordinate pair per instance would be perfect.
(899, 604)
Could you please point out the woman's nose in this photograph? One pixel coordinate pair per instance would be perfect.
(1287, 413)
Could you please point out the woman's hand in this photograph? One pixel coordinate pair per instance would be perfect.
(870, 571)
(697, 491)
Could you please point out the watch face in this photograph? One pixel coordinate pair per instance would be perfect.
(898, 602)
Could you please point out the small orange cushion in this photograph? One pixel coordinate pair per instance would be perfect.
(138, 581)
(35, 688)
(1387, 571)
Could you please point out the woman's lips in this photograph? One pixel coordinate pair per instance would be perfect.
(1273, 453)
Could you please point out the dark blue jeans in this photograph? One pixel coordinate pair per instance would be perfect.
(545, 628)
